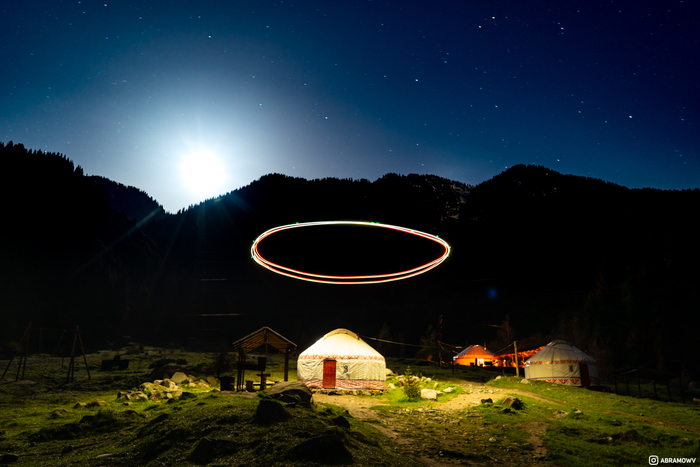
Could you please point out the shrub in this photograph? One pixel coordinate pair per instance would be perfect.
(411, 385)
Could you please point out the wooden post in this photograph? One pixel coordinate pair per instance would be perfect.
(286, 364)
(26, 349)
(517, 364)
(82, 349)
(71, 364)
(639, 386)
(680, 380)
(241, 371)
(14, 352)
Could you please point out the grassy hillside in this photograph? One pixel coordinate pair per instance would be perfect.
(46, 421)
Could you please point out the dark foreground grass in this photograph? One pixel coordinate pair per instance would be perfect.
(207, 429)
(54, 423)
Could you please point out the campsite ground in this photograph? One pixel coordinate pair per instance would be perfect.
(46, 421)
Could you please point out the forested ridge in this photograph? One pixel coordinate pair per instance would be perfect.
(553, 256)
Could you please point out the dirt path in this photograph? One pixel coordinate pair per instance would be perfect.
(442, 435)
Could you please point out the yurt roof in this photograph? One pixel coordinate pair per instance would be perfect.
(475, 351)
(341, 343)
(560, 351)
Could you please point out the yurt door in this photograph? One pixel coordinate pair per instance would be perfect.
(329, 373)
(585, 378)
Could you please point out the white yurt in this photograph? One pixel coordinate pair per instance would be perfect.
(340, 359)
(475, 355)
(562, 363)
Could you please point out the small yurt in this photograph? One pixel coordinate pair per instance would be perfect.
(562, 363)
(475, 355)
(340, 359)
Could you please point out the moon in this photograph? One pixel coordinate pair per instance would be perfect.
(203, 172)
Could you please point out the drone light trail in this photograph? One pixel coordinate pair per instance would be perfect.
(348, 279)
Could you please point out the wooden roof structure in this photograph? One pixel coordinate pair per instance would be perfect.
(264, 337)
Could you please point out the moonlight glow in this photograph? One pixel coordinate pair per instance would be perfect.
(356, 279)
(203, 172)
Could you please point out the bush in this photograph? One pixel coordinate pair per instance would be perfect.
(411, 385)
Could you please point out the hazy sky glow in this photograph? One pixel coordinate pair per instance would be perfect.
(354, 89)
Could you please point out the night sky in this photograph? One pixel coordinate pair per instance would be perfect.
(135, 91)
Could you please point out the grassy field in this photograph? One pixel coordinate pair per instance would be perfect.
(52, 422)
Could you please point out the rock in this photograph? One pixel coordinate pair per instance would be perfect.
(208, 449)
(435, 385)
(325, 449)
(58, 413)
(448, 390)
(160, 418)
(178, 377)
(341, 421)
(188, 395)
(507, 410)
(429, 394)
(525, 381)
(269, 411)
(147, 386)
(290, 391)
(389, 372)
(211, 381)
(492, 439)
(169, 384)
(497, 378)
(513, 402)
(138, 396)
(94, 404)
(487, 401)
(122, 395)
(9, 458)
(80, 405)
(390, 386)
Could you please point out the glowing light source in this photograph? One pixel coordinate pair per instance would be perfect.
(348, 279)
(203, 172)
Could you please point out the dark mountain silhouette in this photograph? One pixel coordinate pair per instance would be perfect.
(611, 269)
(135, 204)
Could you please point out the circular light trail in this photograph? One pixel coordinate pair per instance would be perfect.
(354, 279)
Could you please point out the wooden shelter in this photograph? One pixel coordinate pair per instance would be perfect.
(263, 340)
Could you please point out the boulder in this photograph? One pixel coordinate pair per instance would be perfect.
(487, 401)
(208, 449)
(9, 458)
(178, 377)
(389, 372)
(290, 391)
(269, 411)
(169, 384)
(513, 402)
(325, 449)
(341, 421)
(525, 381)
(429, 394)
